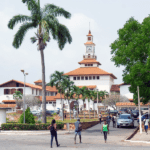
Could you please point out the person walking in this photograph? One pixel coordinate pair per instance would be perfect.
(108, 119)
(78, 129)
(114, 120)
(105, 130)
(53, 131)
(146, 121)
(100, 118)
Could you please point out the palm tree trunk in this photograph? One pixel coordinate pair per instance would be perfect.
(43, 88)
(89, 109)
(69, 109)
(77, 110)
(94, 109)
(62, 106)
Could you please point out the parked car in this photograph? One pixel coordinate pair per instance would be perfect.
(48, 113)
(123, 111)
(113, 111)
(135, 113)
(125, 120)
(35, 112)
(145, 110)
(143, 117)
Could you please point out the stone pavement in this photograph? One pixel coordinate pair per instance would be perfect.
(143, 138)
(91, 139)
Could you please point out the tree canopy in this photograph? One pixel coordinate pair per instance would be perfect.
(132, 50)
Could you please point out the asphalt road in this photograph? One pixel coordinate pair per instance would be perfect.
(91, 139)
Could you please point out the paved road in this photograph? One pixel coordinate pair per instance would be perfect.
(91, 138)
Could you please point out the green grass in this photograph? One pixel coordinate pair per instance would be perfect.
(72, 120)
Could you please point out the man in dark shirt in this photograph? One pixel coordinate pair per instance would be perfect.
(78, 128)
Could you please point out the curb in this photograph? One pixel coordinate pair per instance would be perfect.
(132, 135)
(137, 141)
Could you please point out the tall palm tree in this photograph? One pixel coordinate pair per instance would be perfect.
(83, 93)
(48, 27)
(77, 93)
(57, 79)
(94, 97)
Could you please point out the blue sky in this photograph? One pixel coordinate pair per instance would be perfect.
(105, 17)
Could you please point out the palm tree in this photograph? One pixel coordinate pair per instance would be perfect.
(88, 95)
(18, 97)
(68, 91)
(57, 79)
(94, 97)
(46, 22)
(83, 93)
(77, 93)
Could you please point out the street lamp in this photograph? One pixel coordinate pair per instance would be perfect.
(23, 71)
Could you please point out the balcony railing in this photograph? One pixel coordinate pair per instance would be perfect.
(90, 56)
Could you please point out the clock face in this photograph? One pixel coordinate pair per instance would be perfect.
(89, 48)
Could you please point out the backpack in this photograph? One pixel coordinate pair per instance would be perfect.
(80, 127)
(52, 130)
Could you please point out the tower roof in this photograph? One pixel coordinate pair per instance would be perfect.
(38, 81)
(89, 61)
(89, 71)
(89, 34)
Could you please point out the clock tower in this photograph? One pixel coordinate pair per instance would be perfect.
(90, 47)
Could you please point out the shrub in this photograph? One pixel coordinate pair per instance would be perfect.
(20, 126)
(54, 114)
(29, 118)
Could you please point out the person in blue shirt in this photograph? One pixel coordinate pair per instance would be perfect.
(78, 128)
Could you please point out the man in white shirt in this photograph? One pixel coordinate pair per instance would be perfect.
(146, 121)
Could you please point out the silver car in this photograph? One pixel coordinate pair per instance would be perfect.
(125, 120)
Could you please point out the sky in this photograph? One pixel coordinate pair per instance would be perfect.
(105, 17)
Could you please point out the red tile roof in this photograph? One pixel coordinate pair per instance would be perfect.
(89, 71)
(89, 61)
(58, 96)
(9, 101)
(115, 88)
(52, 89)
(88, 86)
(129, 104)
(48, 88)
(89, 43)
(48, 98)
(123, 84)
(38, 81)
(7, 106)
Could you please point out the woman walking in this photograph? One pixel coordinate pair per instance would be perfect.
(105, 130)
(146, 121)
(53, 132)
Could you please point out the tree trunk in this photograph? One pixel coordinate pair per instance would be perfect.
(43, 88)
(77, 109)
(94, 109)
(62, 106)
(89, 109)
(69, 109)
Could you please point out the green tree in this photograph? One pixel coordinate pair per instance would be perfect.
(58, 79)
(83, 93)
(18, 97)
(132, 50)
(29, 118)
(46, 22)
(68, 91)
(94, 98)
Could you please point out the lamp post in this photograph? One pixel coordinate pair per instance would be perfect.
(23, 71)
(139, 110)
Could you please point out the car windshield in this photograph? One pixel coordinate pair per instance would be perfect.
(124, 117)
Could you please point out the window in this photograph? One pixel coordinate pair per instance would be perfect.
(86, 78)
(21, 90)
(36, 91)
(6, 91)
(90, 78)
(82, 78)
(89, 38)
(93, 77)
(85, 64)
(91, 64)
(32, 91)
(78, 78)
(17, 84)
(74, 78)
(97, 77)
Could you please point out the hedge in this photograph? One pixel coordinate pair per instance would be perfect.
(20, 126)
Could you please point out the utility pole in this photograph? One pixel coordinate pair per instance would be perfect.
(139, 110)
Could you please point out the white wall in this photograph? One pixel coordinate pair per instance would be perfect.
(124, 91)
(2, 116)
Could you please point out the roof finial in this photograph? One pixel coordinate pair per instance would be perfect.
(89, 28)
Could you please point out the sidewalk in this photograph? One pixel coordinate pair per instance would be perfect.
(33, 132)
(141, 138)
